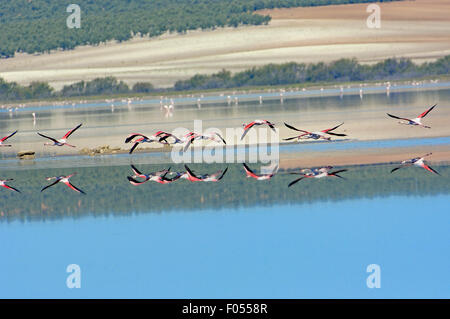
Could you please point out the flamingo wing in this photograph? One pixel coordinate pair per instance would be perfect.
(332, 129)
(75, 188)
(426, 112)
(246, 129)
(296, 181)
(398, 118)
(249, 172)
(191, 173)
(50, 138)
(52, 184)
(136, 171)
(6, 137)
(223, 174)
(133, 148)
(428, 168)
(11, 188)
(335, 173)
(132, 136)
(220, 136)
(135, 182)
(296, 129)
(72, 130)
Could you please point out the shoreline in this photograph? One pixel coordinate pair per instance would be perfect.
(230, 96)
(288, 159)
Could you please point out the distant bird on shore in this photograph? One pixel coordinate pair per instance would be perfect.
(64, 180)
(417, 161)
(62, 141)
(5, 138)
(417, 121)
(3, 184)
(317, 173)
(248, 126)
(259, 177)
(314, 135)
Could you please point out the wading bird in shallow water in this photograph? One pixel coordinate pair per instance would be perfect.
(64, 180)
(418, 161)
(191, 176)
(159, 136)
(259, 177)
(159, 177)
(5, 138)
(314, 135)
(248, 126)
(3, 184)
(316, 173)
(62, 141)
(417, 121)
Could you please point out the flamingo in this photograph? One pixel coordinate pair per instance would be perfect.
(204, 178)
(248, 126)
(5, 138)
(418, 161)
(64, 180)
(314, 135)
(63, 140)
(159, 136)
(259, 177)
(317, 173)
(416, 121)
(3, 184)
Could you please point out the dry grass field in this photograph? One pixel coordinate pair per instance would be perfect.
(416, 29)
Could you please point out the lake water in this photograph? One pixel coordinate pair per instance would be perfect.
(237, 238)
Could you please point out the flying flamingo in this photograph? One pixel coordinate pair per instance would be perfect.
(418, 161)
(3, 184)
(5, 138)
(203, 178)
(64, 180)
(416, 121)
(317, 173)
(159, 136)
(248, 126)
(63, 140)
(314, 135)
(259, 177)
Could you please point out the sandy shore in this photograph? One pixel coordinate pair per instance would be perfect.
(416, 29)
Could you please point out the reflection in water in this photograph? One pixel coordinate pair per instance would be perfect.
(109, 192)
(317, 173)
(65, 180)
(417, 161)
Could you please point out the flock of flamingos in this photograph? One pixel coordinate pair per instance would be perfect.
(167, 176)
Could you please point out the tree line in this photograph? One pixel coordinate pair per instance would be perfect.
(343, 70)
(40, 25)
(233, 191)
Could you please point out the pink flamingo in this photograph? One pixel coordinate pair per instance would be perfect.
(62, 141)
(417, 121)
